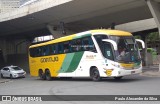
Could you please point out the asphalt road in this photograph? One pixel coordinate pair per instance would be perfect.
(129, 85)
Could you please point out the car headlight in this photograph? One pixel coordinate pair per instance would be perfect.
(15, 74)
(24, 72)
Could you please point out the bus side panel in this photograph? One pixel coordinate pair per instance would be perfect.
(57, 65)
(70, 64)
(32, 66)
(88, 60)
(52, 63)
(65, 66)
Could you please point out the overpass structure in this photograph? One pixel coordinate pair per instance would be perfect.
(78, 15)
(18, 27)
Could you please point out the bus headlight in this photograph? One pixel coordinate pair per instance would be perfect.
(116, 65)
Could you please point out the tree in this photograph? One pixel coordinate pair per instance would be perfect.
(152, 37)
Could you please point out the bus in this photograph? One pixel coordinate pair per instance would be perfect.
(95, 53)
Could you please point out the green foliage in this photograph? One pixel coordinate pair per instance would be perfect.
(137, 37)
(153, 52)
(153, 36)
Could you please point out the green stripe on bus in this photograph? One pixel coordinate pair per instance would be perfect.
(75, 61)
(77, 37)
(66, 63)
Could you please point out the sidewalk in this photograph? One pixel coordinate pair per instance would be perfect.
(152, 71)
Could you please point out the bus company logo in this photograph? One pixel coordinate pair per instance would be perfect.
(49, 59)
(90, 56)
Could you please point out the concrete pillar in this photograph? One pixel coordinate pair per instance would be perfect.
(144, 38)
(3, 48)
(155, 11)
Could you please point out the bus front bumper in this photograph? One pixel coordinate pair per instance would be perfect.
(122, 72)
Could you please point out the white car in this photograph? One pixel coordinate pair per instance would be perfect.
(12, 72)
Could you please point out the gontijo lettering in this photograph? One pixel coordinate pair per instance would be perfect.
(49, 59)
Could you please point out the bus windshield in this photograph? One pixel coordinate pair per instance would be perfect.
(127, 49)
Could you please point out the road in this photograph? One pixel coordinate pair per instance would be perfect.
(129, 85)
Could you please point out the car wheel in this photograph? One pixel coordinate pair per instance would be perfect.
(118, 78)
(41, 75)
(48, 75)
(2, 75)
(11, 76)
(95, 74)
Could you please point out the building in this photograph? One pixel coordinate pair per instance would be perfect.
(8, 5)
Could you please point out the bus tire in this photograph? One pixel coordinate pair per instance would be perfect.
(95, 74)
(48, 75)
(118, 78)
(41, 75)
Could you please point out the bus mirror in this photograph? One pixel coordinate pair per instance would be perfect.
(142, 42)
(112, 42)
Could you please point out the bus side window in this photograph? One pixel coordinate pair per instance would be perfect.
(38, 51)
(70, 46)
(85, 43)
(45, 50)
(107, 52)
(76, 45)
(52, 49)
(99, 39)
(56, 47)
(91, 45)
(66, 47)
(60, 48)
(32, 52)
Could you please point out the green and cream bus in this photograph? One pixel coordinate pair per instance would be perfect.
(95, 53)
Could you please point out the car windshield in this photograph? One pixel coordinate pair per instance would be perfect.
(16, 68)
(127, 49)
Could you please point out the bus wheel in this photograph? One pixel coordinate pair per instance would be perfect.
(41, 75)
(95, 74)
(48, 75)
(118, 78)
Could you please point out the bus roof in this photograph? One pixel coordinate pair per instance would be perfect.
(111, 32)
(84, 34)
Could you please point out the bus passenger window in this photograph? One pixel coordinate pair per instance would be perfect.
(45, 51)
(88, 44)
(76, 45)
(99, 39)
(32, 52)
(66, 47)
(53, 49)
(91, 45)
(38, 51)
(60, 48)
